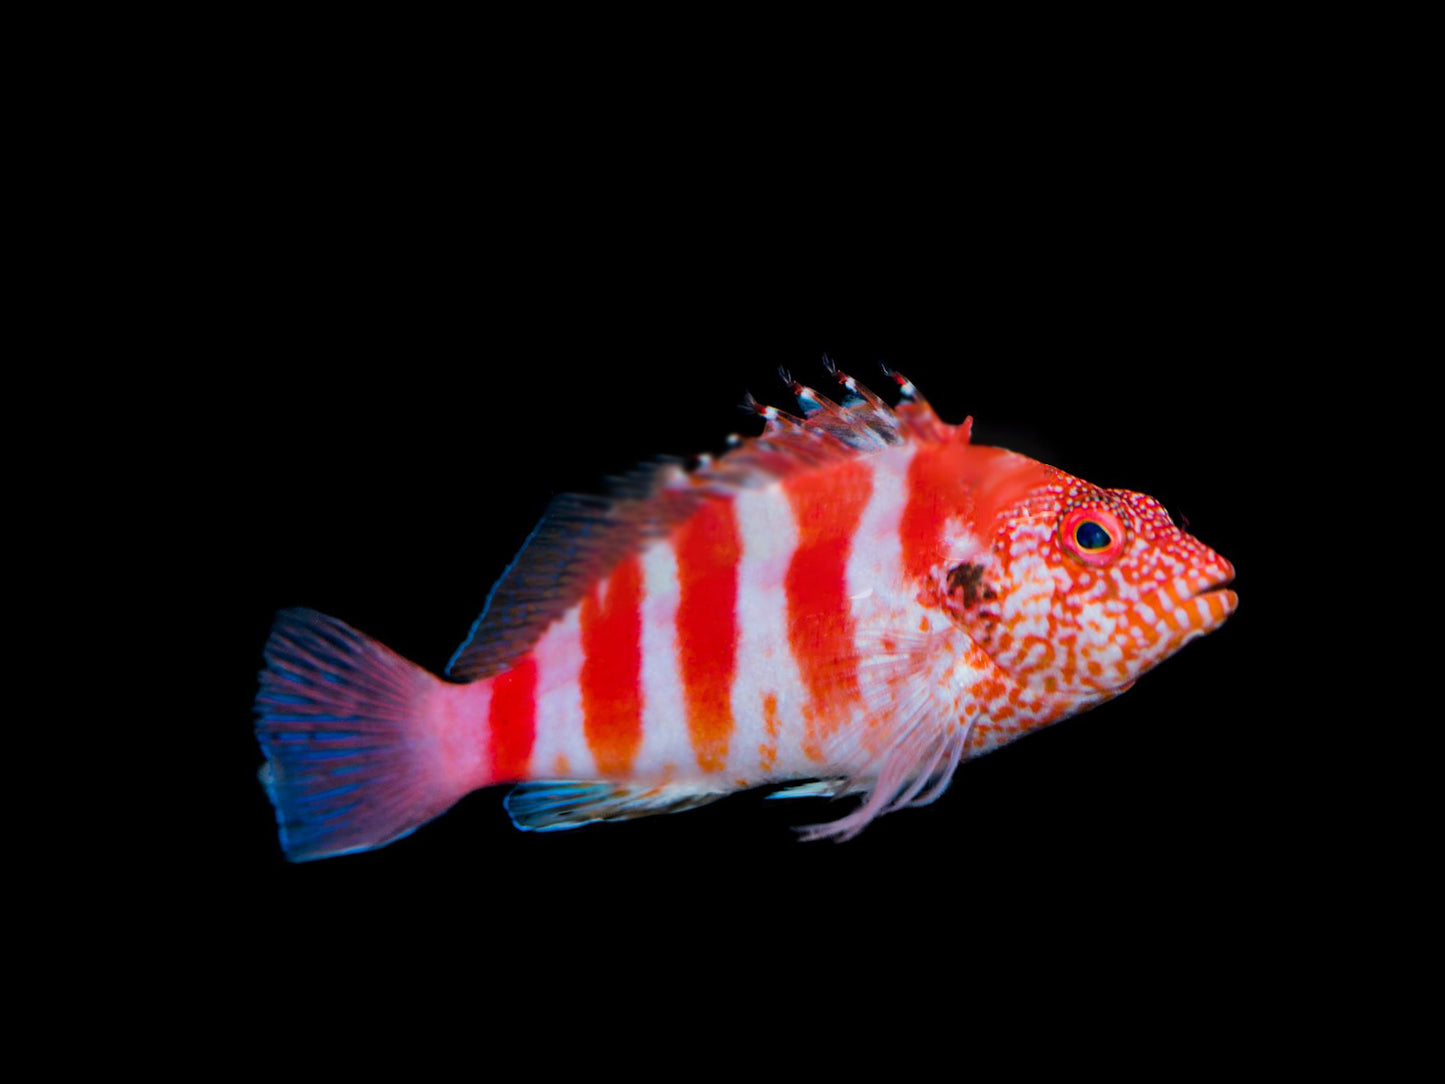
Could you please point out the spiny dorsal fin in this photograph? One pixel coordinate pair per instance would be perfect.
(828, 432)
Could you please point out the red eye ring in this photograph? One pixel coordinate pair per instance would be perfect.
(1093, 535)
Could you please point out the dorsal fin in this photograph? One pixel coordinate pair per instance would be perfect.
(581, 539)
(578, 541)
(828, 433)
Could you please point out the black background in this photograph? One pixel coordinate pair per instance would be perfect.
(399, 430)
(413, 340)
(329, 309)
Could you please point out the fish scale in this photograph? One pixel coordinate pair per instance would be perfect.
(856, 600)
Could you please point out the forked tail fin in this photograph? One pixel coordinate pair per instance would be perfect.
(362, 746)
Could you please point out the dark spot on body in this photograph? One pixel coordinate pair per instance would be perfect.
(966, 585)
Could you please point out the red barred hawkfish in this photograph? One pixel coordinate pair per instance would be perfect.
(854, 601)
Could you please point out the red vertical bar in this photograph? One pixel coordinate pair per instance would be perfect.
(512, 722)
(827, 505)
(611, 677)
(708, 549)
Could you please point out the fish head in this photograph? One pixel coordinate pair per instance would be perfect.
(1083, 589)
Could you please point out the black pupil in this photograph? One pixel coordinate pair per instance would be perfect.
(1091, 536)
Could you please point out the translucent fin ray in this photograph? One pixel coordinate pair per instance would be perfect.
(911, 760)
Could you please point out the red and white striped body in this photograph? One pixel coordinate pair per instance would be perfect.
(863, 597)
(728, 651)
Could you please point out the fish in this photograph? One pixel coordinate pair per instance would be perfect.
(851, 603)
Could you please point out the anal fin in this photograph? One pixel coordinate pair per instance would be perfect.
(818, 788)
(556, 805)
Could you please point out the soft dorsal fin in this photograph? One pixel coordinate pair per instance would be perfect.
(579, 540)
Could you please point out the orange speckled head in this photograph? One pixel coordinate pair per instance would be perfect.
(1083, 589)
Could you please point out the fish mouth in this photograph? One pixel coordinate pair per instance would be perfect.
(1214, 588)
(1182, 610)
(1214, 601)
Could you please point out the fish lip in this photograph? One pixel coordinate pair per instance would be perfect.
(1210, 588)
(1220, 589)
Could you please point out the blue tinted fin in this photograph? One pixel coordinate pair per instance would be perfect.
(814, 788)
(343, 723)
(558, 805)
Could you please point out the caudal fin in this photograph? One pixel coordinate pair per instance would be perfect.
(350, 729)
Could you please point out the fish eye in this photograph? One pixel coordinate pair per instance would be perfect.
(1091, 535)
(1094, 536)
